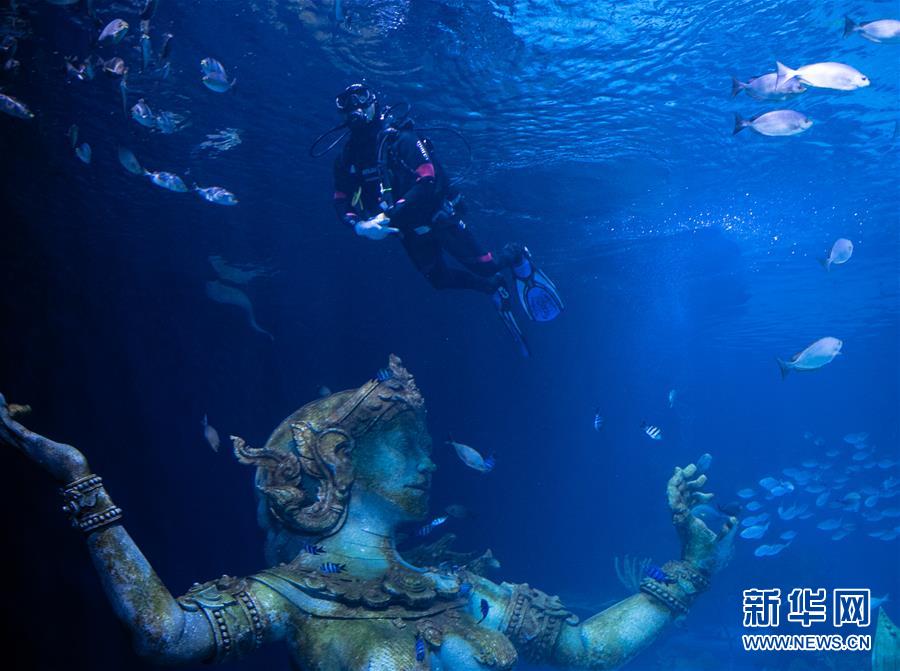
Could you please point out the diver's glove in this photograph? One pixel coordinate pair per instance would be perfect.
(375, 228)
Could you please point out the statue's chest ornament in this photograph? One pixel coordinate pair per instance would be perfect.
(414, 603)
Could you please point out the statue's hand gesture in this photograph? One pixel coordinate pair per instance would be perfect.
(63, 462)
(702, 546)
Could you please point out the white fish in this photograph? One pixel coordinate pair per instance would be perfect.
(753, 506)
(217, 195)
(224, 294)
(883, 31)
(769, 550)
(841, 251)
(768, 483)
(829, 525)
(838, 76)
(704, 462)
(777, 123)
(815, 356)
(672, 396)
(746, 493)
(168, 180)
(754, 520)
(114, 30)
(653, 432)
(214, 77)
(876, 601)
(471, 457)
(83, 152)
(236, 274)
(755, 532)
(765, 87)
(129, 161)
(142, 113)
(211, 435)
(13, 107)
(856, 438)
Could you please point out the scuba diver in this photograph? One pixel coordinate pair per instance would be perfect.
(388, 183)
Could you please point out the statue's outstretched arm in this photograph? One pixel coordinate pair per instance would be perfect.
(212, 622)
(542, 629)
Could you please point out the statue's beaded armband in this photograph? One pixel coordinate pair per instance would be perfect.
(236, 621)
(533, 621)
(681, 585)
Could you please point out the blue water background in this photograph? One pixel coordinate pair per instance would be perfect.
(601, 137)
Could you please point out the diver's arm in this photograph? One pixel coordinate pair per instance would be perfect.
(165, 630)
(412, 153)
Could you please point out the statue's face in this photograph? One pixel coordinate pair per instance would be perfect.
(395, 464)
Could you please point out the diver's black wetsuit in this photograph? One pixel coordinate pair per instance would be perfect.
(423, 206)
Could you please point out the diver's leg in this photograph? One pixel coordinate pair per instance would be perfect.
(426, 254)
(458, 240)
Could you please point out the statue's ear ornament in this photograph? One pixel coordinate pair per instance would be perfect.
(306, 480)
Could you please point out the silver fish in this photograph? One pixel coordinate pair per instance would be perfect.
(222, 293)
(673, 394)
(704, 462)
(829, 525)
(883, 31)
(218, 82)
(765, 87)
(129, 161)
(84, 152)
(769, 550)
(778, 123)
(746, 493)
(142, 113)
(11, 106)
(210, 66)
(146, 52)
(471, 457)
(788, 535)
(841, 251)
(829, 75)
(755, 531)
(115, 66)
(114, 30)
(211, 435)
(168, 180)
(236, 274)
(820, 353)
(856, 438)
(753, 506)
(217, 195)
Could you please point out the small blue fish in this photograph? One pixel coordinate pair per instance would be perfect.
(653, 432)
(433, 524)
(755, 531)
(465, 589)
(656, 573)
(746, 493)
(598, 420)
(214, 77)
(311, 549)
(142, 113)
(485, 609)
(753, 506)
(331, 567)
(383, 374)
(420, 648)
(672, 396)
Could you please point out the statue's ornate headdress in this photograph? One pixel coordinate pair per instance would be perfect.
(305, 471)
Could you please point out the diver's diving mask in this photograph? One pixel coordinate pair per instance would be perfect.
(357, 102)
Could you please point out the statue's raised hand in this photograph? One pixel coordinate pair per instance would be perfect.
(701, 546)
(61, 461)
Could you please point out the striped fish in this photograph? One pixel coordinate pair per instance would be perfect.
(436, 522)
(420, 648)
(598, 420)
(653, 432)
(331, 567)
(311, 549)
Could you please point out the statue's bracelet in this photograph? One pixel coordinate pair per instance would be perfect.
(682, 585)
(88, 505)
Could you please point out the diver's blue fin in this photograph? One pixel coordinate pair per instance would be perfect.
(537, 293)
(501, 301)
